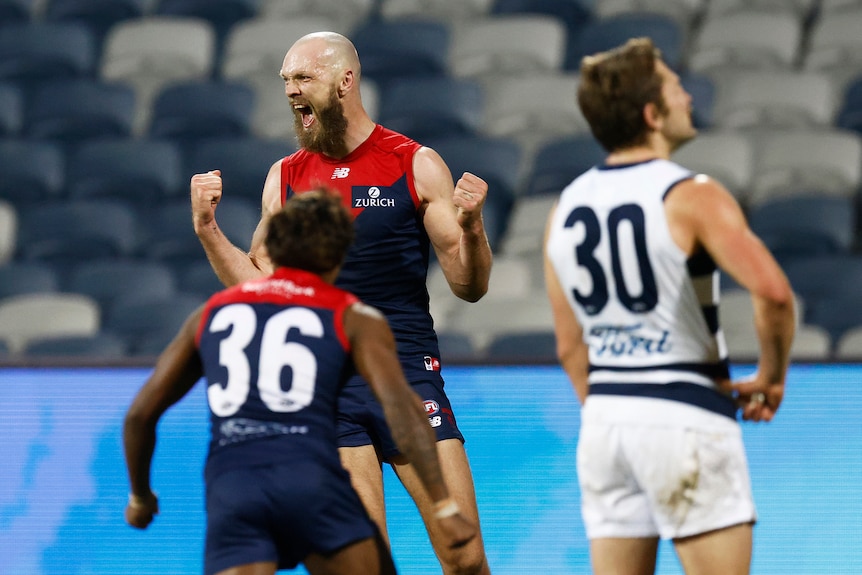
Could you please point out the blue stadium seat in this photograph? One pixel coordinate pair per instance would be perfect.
(575, 14)
(88, 109)
(97, 347)
(456, 346)
(392, 49)
(147, 325)
(527, 346)
(244, 162)
(32, 171)
(850, 114)
(498, 161)
(824, 277)
(424, 108)
(66, 233)
(190, 111)
(32, 52)
(97, 15)
(837, 315)
(28, 277)
(805, 225)
(140, 171)
(607, 33)
(11, 109)
(111, 280)
(560, 161)
(12, 11)
(198, 278)
(702, 89)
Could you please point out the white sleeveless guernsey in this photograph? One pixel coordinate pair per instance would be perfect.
(649, 312)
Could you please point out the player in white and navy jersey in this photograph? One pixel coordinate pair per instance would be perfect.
(633, 252)
(276, 352)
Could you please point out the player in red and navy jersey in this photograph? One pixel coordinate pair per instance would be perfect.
(275, 352)
(405, 202)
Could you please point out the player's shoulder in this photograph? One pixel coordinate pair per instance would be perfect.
(395, 142)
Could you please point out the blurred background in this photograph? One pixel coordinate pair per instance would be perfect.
(107, 107)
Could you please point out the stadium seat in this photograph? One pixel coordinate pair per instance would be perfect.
(509, 113)
(149, 53)
(773, 99)
(346, 13)
(484, 320)
(140, 171)
(423, 108)
(600, 35)
(748, 39)
(17, 278)
(97, 347)
(560, 161)
(727, 156)
(508, 45)
(66, 233)
(11, 109)
(835, 45)
(198, 278)
(813, 225)
(837, 315)
(399, 48)
(702, 90)
(255, 49)
(575, 14)
(89, 109)
(111, 280)
(684, 12)
(849, 345)
(33, 52)
(98, 15)
(498, 161)
(526, 225)
(8, 231)
(802, 9)
(796, 162)
(12, 11)
(222, 14)
(244, 162)
(849, 115)
(188, 112)
(32, 171)
(33, 316)
(455, 347)
(823, 277)
(147, 325)
(522, 347)
(453, 12)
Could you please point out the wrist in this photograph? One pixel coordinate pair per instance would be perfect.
(446, 508)
(141, 502)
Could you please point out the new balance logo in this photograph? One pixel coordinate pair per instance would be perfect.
(340, 173)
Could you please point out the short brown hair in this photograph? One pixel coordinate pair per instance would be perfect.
(613, 89)
(312, 232)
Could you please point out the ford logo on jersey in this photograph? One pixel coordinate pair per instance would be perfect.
(370, 197)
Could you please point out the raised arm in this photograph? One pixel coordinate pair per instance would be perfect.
(375, 356)
(231, 264)
(703, 215)
(572, 350)
(176, 372)
(453, 220)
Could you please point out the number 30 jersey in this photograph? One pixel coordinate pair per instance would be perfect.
(275, 356)
(649, 312)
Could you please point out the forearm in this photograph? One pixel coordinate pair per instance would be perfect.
(139, 443)
(470, 268)
(417, 441)
(230, 264)
(575, 362)
(775, 322)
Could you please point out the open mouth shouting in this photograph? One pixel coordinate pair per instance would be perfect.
(306, 114)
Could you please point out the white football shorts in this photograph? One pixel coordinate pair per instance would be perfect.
(652, 479)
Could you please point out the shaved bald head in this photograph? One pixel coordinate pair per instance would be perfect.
(331, 50)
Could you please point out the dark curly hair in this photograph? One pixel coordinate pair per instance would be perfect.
(613, 89)
(312, 232)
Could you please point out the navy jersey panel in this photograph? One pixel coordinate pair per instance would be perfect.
(387, 264)
(275, 359)
(281, 513)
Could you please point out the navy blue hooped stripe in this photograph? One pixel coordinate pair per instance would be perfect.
(674, 184)
(682, 391)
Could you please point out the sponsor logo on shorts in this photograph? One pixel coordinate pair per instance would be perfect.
(432, 363)
(431, 407)
(370, 197)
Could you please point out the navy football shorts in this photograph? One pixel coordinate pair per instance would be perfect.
(361, 420)
(281, 513)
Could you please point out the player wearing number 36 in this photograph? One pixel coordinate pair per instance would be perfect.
(633, 248)
(275, 353)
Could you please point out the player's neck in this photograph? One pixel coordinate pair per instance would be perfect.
(359, 129)
(650, 151)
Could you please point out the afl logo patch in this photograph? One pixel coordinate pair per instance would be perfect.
(431, 407)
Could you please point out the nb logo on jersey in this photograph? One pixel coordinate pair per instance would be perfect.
(371, 197)
(340, 173)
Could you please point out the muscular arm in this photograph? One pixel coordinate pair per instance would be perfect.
(571, 348)
(231, 264)
(176, 372)
(703, 215)
(453, 220)
(376, 359)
